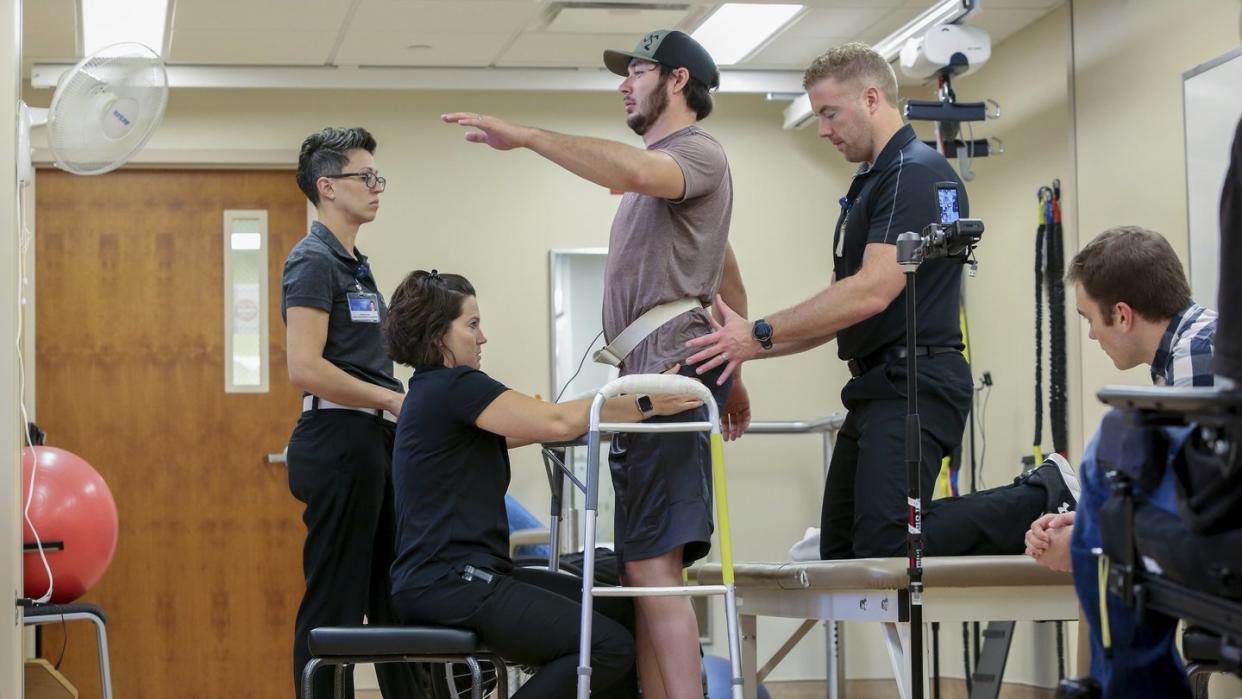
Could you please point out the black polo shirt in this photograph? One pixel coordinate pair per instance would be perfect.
(1229, 328)
(895, 195)
(319, 273)
(449, 479)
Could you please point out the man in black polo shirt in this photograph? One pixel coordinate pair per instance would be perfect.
(853, 92)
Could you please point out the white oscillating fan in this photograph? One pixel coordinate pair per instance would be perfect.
(104, 110)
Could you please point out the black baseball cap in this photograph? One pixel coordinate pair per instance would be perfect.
(671, 48)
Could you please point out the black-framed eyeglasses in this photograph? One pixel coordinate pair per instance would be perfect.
(370, 179)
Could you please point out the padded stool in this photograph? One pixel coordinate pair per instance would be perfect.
(39, 614)
(341, 646)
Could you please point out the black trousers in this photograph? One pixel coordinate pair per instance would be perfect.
(340, 466)
(532, 617)
(864, 508)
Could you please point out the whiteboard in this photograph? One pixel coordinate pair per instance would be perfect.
(1212, 99)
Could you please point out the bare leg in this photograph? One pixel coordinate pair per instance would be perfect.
(649, 676)
(667, 625)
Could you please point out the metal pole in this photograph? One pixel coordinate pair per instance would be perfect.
(909, 258)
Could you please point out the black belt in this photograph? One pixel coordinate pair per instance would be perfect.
(862, 365)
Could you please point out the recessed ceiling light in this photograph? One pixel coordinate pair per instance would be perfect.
(107, 22)
(735, 30)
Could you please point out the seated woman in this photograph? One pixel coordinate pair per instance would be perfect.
(450, 474)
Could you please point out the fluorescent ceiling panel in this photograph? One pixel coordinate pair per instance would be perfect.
(107, 22)
(735, 30)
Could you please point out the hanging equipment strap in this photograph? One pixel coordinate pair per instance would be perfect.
(1040, 244)
(1057, 389)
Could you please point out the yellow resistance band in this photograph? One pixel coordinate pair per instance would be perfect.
(943, 489)
(1105, 633)
(722, 508)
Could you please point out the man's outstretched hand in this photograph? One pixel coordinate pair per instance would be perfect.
(497, 133)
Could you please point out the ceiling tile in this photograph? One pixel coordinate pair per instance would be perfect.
(792, 53)
(444, 49)
(458, 32)
(583, 50)
(426, 19)
(250, 47)
(279, 16)
(838, 22)
(638, 21)
(887, 24)
(989, 5)
(875, 4)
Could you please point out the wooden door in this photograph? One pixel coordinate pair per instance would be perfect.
(202, 592)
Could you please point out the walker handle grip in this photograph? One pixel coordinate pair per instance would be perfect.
(659, 384)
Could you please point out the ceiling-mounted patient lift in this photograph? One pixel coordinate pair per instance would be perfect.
(945, 52)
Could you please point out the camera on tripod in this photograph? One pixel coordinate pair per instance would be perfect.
(951, 237)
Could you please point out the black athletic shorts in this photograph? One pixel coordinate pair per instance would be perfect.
(663, 485)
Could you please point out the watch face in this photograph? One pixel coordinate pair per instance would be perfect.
(644, 404)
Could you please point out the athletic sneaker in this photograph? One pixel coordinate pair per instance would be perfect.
(1057, 478)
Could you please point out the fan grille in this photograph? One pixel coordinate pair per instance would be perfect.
(106, 108)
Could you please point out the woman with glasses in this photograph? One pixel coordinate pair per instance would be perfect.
(340, 453)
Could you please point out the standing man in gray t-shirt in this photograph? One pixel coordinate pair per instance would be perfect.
(669, 242)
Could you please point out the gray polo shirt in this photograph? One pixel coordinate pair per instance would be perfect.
(319, 273)
(662, 250)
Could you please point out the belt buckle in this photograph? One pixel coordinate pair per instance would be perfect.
(606, 356)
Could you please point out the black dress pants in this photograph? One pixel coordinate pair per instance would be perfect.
(532, 617)
(864, 511)
(340, 466)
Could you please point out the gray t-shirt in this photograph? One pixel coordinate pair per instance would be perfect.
(662, 250)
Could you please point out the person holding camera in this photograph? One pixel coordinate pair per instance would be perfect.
(853, 93)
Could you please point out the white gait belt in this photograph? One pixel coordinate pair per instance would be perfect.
(643, 326)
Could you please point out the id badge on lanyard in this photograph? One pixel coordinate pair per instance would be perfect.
(363, 307)
(847, 203)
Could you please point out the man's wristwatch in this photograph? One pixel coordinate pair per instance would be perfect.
(645, 406)
(762, 332)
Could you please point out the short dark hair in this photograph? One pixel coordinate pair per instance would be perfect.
(1135, 266)
(325, 153)
(423, 307)
(698, 96)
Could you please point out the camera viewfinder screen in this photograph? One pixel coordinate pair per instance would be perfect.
(948, 204)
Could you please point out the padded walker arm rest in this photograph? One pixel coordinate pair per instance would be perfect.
(658, 384)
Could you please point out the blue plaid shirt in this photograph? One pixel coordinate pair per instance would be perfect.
(1185, 354)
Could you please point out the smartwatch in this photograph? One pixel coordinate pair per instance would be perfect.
(762, 332)
(645, 405)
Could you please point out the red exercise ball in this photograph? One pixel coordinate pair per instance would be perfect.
(71, 504)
